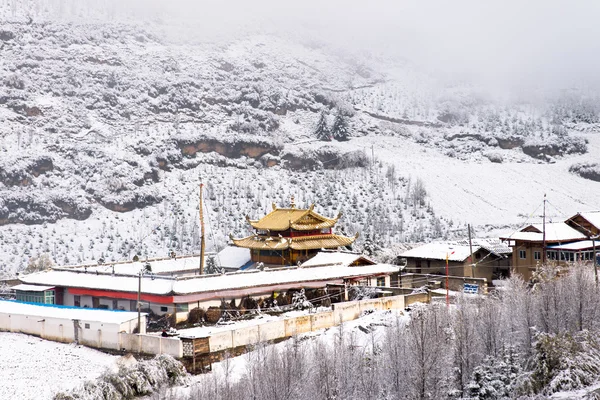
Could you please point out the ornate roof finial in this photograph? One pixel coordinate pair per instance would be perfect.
(293, 202)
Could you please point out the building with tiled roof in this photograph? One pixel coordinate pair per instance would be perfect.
(483, 258)
(562, 242)
(286, 236)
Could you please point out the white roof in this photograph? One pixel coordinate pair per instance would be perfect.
(325, 258)
(70, 313)
(439, 251)
(493, 245)
(240, 280)
(158, 266)
(581, 245)
(31, 288)
(593, 217)
(233, 257)
(555, 232)
(91, 280)
(206, 283)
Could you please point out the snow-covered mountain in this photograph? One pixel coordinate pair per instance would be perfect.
(109, 125)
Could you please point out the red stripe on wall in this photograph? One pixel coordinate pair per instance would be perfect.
(260, 290)
(121, 295)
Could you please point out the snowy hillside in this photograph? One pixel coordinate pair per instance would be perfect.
(109, 122)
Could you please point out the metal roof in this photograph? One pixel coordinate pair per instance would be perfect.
(205, 283)
(555, 232)
(326, 241)
(282, 219)
(32, 288)
(575, 246)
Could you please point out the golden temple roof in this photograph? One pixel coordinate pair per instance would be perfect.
(327, 241)
(282, 219)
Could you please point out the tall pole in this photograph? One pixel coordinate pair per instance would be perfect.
(201, 232)
(471, 253)
(595, 261)
(447, 283)
(544, 233)
(139, 303)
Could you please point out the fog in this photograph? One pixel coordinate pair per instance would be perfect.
(533, 44)
(537, 43)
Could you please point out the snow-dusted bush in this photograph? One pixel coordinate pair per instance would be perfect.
(495, 157)
(495, 378)
(129, 381)
(558, 145)
(586, 170)
(564, 362)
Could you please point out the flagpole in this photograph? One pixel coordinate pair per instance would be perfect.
(447, 284)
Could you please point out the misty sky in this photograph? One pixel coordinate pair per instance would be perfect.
(554, 44)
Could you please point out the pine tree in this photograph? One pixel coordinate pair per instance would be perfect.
(340, 129)
(322, 131)
(211, 265)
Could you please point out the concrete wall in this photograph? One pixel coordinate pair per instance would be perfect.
(149, 344)
(293, 326)
(271, 330)
(221, 341)
(89, 333)
(245, 336)
(346, 311)
(410, 299)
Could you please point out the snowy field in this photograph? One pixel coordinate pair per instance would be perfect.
(33, 368)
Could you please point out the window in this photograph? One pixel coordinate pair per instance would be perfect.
(164, 309)
(522, 254)
(45, 297)
(381, 281)
(537, 255)
(181, 307)
(77, 301)
(87, 326)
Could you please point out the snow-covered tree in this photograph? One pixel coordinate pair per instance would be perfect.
(340, 129)
(322, 130)
(211, 265)
(39, 263)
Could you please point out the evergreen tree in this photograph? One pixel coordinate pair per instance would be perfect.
(211, 265)
(340, 129)
(322, 131)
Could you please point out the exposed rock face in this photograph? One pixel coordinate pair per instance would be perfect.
(5, 36)
(325, 157)
(129, 201)
(23, 176)
(587, 171)
(232, 149)
(21, 208)
(565, 146)
(509, 142)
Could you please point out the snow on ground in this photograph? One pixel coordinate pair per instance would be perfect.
(482, 192)
(34, 368)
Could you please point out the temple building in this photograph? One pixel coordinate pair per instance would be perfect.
(287, 236)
